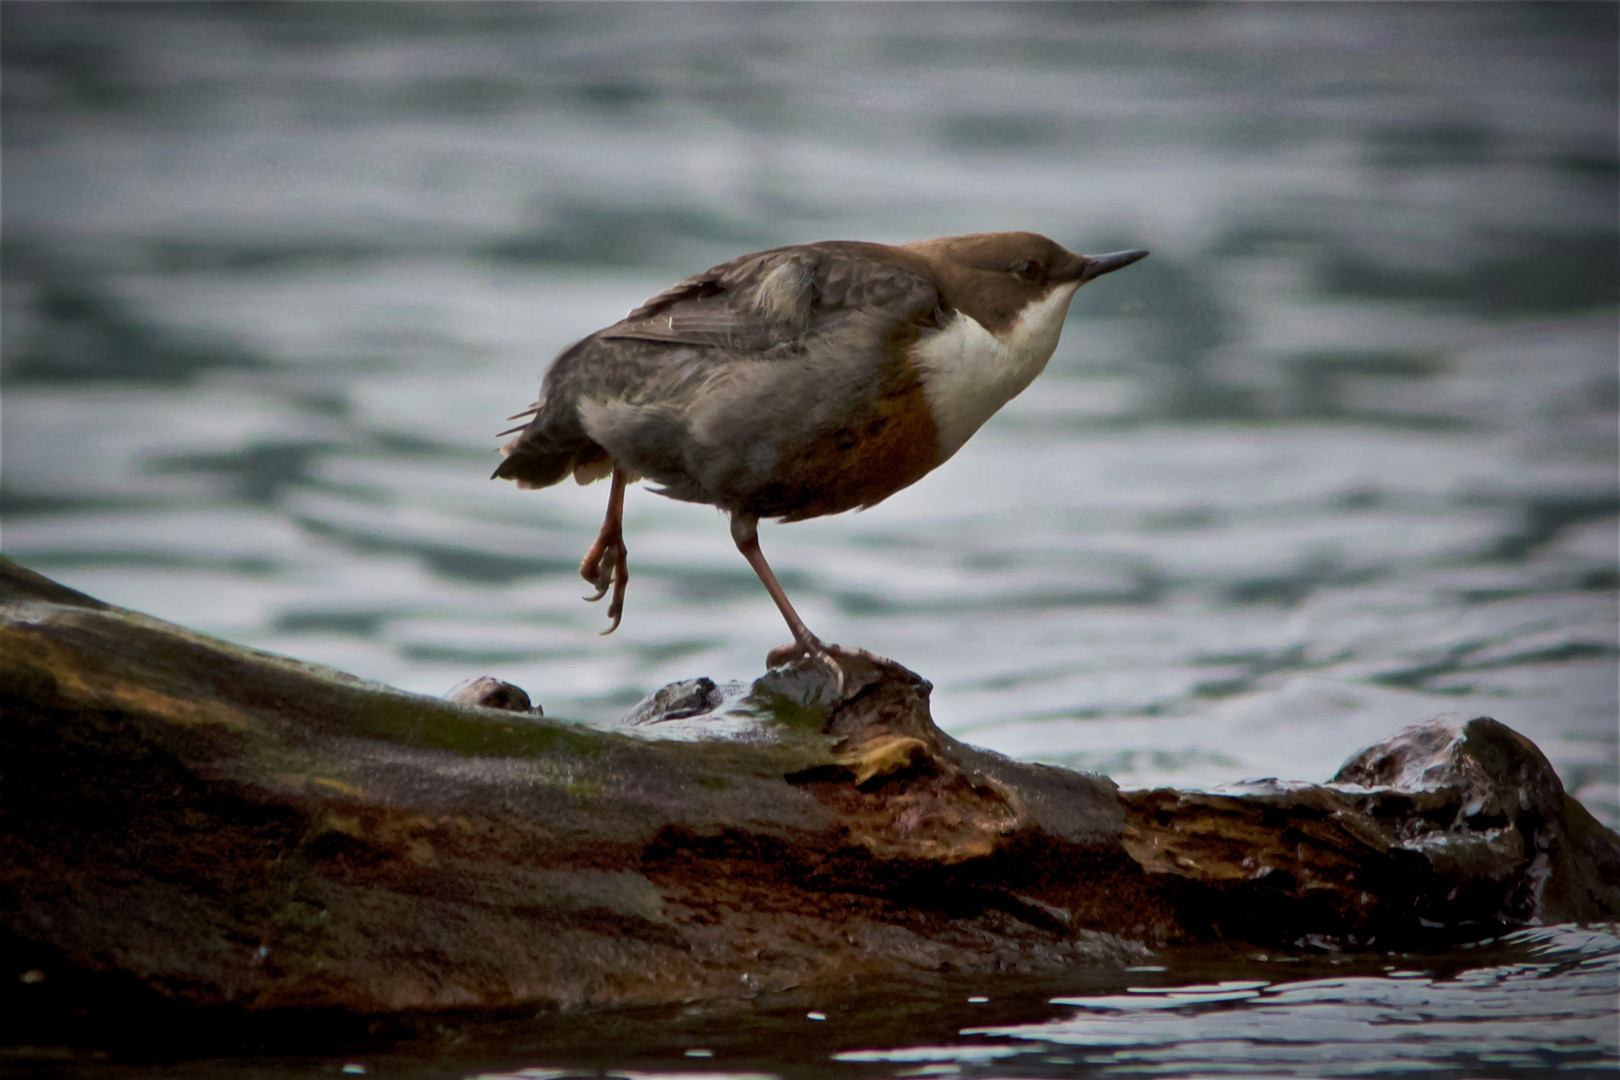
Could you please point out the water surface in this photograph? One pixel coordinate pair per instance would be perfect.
(1339, 457)
(1537, 1003)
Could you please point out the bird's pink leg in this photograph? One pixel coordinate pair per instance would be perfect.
(745, 532)
(606, 564)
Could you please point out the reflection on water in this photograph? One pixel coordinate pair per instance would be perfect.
(1340, 456)
(1551, 1010)
(1535, 1003)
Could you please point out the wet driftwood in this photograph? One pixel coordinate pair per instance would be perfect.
(205, 824)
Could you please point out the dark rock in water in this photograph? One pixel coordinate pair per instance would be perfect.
(1447, 831)
(1486, 809)
(194, 822)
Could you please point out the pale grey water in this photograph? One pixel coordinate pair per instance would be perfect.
(1340, 456)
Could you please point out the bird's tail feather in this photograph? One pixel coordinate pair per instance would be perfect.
(537, 464)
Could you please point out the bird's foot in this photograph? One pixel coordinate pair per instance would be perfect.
(607, 566)
(825, 656)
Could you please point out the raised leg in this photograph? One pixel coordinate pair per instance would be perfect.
(606, 564)
(745, 532)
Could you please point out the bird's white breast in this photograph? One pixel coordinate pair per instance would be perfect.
(968, 372)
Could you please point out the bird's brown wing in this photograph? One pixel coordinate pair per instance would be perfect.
(757, 302)
(675, 391)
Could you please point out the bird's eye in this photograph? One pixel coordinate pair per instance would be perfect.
(1028, 270)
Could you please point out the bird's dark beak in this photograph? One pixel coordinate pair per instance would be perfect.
(1098, 265)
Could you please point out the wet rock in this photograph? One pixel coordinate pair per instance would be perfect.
(1446, 831)
(677, 701)
(488, 692)
(190, 821)
(1483, 804)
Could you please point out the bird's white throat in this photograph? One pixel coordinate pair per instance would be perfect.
(968, 372)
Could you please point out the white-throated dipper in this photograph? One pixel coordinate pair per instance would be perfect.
(797, 382)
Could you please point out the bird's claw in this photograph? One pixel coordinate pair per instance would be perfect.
(606, 566)
(824, 655)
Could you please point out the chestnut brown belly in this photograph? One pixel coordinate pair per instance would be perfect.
(888, 443)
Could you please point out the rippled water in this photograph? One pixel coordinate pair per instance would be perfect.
(1550, 1011)
(1538, 1002)
(1340, 456)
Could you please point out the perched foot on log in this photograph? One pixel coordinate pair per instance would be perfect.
(844, 672)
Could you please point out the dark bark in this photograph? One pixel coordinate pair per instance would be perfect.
(188, 820)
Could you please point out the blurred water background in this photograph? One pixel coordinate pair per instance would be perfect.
(1340, 456)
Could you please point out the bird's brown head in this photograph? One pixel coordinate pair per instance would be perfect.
(1008, 294)
(994, 277)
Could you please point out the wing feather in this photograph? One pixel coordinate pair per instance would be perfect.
(759, 302)
(664, 390)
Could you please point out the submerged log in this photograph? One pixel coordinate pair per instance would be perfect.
(200, 822)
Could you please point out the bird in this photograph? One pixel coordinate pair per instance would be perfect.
(797, 382)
